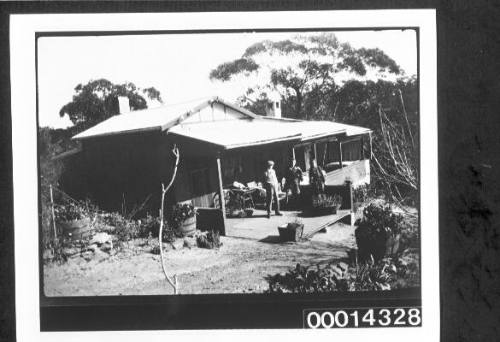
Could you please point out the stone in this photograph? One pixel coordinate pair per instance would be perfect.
(178, 244)
(107, 246)
(88, 255)
(92, 247)
(48, 255)
(189, 242)
(70, 251)
(100, 238)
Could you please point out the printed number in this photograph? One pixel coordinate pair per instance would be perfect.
(330, 318)
(345, 318)
(386, 315)
(414, 317)
(355, 316)
(368, 317)
(318, 320)
(398, 320)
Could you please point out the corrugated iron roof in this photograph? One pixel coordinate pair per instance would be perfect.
(159, 118)
(240, 133)
(227, 134)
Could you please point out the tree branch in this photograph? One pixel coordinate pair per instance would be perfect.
(164, 190)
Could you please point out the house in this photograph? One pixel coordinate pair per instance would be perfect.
(125, 158)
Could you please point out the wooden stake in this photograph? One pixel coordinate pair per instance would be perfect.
(221, 195)
(53, 213)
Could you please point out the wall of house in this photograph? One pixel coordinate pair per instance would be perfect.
(122, 170)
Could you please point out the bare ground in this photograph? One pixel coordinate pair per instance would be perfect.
(238, 266)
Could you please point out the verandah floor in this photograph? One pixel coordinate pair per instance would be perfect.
(259, 227)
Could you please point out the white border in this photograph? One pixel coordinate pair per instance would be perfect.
(23, 88)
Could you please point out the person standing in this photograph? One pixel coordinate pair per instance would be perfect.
(271, 187)
(316, 178)
(293, 178)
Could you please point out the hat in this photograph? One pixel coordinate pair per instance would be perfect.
(270, 163)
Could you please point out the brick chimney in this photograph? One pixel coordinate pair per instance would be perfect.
(123, 105)
(273, 108)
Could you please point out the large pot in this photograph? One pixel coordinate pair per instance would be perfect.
(291, 232)
(76, 229)
(188, 227)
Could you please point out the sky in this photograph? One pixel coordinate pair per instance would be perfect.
(177, 65)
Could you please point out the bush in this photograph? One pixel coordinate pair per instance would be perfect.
(386, 274)
(210, 240)
(181, 212)
(376, 230)
(312, 279)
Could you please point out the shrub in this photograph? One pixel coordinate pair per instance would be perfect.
(311, 279)
(326, 201)
(210, 240)
(181, 212)
(386, 274)
(375, 231)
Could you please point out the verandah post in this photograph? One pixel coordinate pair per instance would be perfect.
(221, 195)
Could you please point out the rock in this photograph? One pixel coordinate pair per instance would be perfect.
(189, 242)
(88, 255)
(177, 244)
(107, 246)
(100, 238)
(92, 247)
(48, 255)
(70, 251)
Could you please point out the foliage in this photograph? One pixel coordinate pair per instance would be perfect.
(327, 201)
(210, 240)
(224, 71)
(151, 226)
(97, 100)
(386, 274)
(360, 195)
(308, 279)
(50, 173)
(181, 212)
(303, 66)
(69, 212)
(322, 79)
(295, 223)
(378, 225)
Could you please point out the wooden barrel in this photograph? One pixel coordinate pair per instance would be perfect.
(76, 229)
(188, 227)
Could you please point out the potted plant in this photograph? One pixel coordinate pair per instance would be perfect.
(74, 220)
(291, 231)
(378, 232)
(326, 204)
(184, 218)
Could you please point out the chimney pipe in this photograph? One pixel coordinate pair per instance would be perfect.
(273, 108)
(123, 105)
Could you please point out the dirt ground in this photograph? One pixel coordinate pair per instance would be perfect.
(238, 266)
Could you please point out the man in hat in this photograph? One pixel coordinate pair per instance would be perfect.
(271, 186)
(293, 178)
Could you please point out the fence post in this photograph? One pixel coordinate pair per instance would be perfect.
(53, 214)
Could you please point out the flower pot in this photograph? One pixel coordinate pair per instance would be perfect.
(188, 227)
(76, 229)
(291, 232)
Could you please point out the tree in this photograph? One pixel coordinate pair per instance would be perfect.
(303, 69)
(96, 101)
